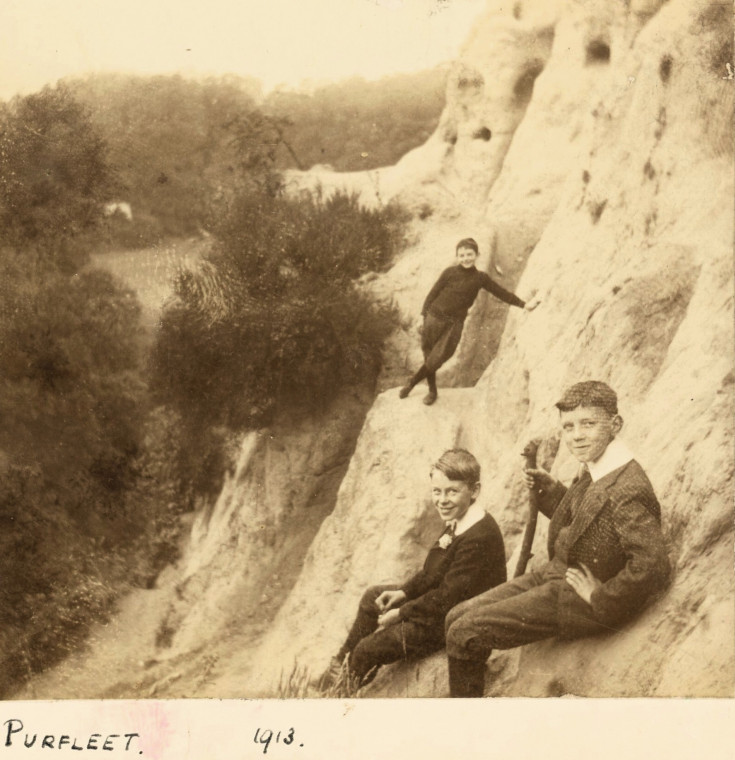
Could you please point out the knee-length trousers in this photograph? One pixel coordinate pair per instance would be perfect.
(369, 648)
(439, 340)
(518, 612)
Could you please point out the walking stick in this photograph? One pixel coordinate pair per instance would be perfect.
(529, 452)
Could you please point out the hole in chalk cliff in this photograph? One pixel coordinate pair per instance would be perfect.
(523, 88)
(449, 134)
(598, 52)
(664, 68)
(585, 176)
(482, 134)
(470, 80)
(517, 10)
(596, 210)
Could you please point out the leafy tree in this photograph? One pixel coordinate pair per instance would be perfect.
(354, 124)
(72, 398)
(275, 316)
(171, 141)
(53, 176)
(175, 143)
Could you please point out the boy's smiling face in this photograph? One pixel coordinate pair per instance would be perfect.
(466, 257)
(452, 498)
(588, 430)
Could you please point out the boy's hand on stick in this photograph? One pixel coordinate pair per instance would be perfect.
(538, 480)
(389, 599)
(582, 581)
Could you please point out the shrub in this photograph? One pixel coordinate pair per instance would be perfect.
(275, 317)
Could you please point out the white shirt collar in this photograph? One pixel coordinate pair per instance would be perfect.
(615, 455)
(473, 515)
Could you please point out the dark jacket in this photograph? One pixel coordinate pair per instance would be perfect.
(471, 564)
(456, 289)
(616, 532)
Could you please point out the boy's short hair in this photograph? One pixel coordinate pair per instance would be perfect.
(589, 393)
(468, 243)
(458, 464)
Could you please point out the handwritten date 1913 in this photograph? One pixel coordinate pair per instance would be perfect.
(265, 736)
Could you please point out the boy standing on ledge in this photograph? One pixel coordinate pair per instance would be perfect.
(445, 309)
(607, 554)
(396, 622)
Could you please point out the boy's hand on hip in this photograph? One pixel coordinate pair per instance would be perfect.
(582, 581)
(532, 304)
(389, 599)
(389, 618)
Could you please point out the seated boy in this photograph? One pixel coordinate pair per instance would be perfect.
(404, 621)
(607, 554)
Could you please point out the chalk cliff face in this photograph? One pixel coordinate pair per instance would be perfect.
(606, 185)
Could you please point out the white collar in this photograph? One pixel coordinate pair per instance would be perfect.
(614, 456)
(473, 515)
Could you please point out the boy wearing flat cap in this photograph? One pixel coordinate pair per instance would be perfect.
(607, 554)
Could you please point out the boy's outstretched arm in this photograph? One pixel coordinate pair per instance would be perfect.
(500, 292)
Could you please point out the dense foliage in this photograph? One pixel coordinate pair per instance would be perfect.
(72, 397)
(354, 124)
(93, 475)
(274, 317)
(53, 177)
(170, 141)
(177, 143)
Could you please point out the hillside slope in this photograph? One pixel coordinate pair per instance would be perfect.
(622, 187)
(587, 146)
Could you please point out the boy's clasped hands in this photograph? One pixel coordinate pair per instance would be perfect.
(388, 603)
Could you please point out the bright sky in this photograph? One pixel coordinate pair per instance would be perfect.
(278, 41)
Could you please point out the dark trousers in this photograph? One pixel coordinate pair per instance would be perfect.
(518, 612)
(370, 648)
(439, 340)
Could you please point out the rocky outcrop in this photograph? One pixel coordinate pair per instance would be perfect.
(246, 549)
(587, 145)
(613, 199)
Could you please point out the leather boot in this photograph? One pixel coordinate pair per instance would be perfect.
(430, 397)
(417, 378)
(466, 678)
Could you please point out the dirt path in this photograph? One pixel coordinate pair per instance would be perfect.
(120, 659)
(125, 657)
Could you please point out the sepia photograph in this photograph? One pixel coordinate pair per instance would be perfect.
(367, 353)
